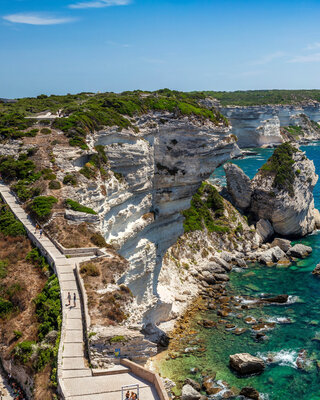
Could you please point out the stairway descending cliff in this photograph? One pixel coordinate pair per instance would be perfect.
(75, 379)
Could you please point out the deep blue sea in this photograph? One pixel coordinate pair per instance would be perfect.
(288, 346)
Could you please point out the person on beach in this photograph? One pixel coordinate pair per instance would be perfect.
(74, 299)
(69, 298)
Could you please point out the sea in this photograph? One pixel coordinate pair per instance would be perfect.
(290, 347)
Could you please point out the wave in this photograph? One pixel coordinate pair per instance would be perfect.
(280, 320)
(284, 358)
(242, 300)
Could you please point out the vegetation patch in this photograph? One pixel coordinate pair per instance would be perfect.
(22, 168)
(207, 208)
(70, 179)
(75, 206)
(280, 164)
(98, 240)
(89, 269)
(41, 207)
(54, 185)
(9, 225)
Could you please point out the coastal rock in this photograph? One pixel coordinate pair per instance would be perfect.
(224, 261)
(209, 384)
(284, 244)
(281, 299)
(250, 393)
(245, 363)
(272, 255)
(299, 250)
(316, 271)
(189, 393)
(239, 186)
(291, 213)
(193, 383)
(264, 229)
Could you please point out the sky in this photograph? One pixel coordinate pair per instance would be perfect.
(71, 46)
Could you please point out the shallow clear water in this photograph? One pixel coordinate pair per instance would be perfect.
(282, 379)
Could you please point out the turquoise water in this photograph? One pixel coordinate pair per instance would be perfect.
(282, 378)
(210, 348)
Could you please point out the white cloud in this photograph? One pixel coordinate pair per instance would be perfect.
(100, 4)
(35, 19)
(266, 59)
(315, 57)
(313, 46)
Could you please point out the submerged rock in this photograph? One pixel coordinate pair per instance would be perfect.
(250, 393)
(299, 250)
(316, 271)
(281, 299)
(245, 363)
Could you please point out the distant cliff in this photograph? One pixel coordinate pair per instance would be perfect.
(261, 125)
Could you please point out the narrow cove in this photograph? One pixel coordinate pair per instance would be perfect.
(291, 346)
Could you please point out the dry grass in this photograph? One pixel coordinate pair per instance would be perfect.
(31, 281)
(71, 235)
(108, 308)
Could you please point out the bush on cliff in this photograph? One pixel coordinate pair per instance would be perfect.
(206, 206)
(41, 207)
(280, 164)
(9, 225)
(22, 168)
(75, 206)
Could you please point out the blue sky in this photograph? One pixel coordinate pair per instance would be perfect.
(71, 46)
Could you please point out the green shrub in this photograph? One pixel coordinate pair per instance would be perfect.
(280, 164)
(22, 168)
(3, 268)
(90, 269)
(17, 334)
(75, 206)
(48, 174)
(45, 131)
(9, 225)
(23, 351)
(35, 257)
(70, 179)
(5, 307)
(48, 307)
(98, 240)
(41, 207)
(44, 357)
(117, 339)
(24, 191)
(88, 171)
(54, 185)
(205, 204)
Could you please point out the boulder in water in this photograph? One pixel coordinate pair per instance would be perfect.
(193, 383)
(284, 244)
(299, 250)
(250, 393)
(281, 299)
(316, 271)
(245, 363)
(271, 256)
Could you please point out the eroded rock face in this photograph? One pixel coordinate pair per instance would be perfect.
(189, 393)
(264, 229)
(239, 186)
(158, 170)
(272, 255)
(245, 363)
(284, 244)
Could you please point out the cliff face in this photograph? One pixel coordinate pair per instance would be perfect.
(256, 126)
(158, 170)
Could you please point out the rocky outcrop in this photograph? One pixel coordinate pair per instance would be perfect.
(80, 217)
(316, 271)
(299, 250)
(189, 393)
(250, 393)
(264, 229)
(260, 125)
(291, 213)
(239, 186)
(245, 363)
(271, 256)
(284, 244)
